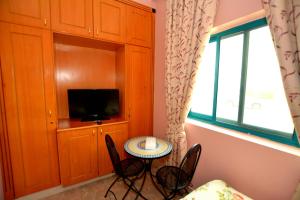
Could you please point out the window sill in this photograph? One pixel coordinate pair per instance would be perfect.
(247, 137)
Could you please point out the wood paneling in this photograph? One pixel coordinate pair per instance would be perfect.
(80, 67)
(78, 155)
(72, 16)
(119, 134)
(27, 69)
(139, 23)
(31, 13)
(140, 90)
(109, 20)
(121, 80)
(7, 177)
(85, 42)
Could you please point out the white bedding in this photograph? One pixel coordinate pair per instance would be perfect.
(215, 190)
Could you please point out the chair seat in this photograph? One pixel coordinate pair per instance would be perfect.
(167, 176)
(132, 167)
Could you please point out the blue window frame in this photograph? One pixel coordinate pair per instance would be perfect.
(237, 118)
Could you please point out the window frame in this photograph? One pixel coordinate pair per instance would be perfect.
(239, 126)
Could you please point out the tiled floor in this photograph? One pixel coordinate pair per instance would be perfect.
(96, 191)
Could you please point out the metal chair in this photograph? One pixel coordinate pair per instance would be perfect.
(175, 179)
(127, 169)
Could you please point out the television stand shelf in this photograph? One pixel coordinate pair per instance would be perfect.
(71, 124)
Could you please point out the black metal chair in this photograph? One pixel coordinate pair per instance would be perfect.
(175, 179)
(128, 169)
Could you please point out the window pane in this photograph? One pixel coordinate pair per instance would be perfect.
(265, 102)
(204, 91)
(230, 66)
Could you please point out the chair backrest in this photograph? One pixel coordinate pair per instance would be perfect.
(188, 164)
(114, 155)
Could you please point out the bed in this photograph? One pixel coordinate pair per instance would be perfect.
(215, 190)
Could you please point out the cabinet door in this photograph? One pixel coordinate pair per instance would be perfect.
(32, 13)
(78, 155)
(139, 27)
(28, 81)
(72, 16)
(140, 81)
(119, 134)
(109, 20)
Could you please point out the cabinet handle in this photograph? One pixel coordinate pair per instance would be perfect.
(45, 22)
(50, 113)
(90, 30)
(101, 131)
(93, 132)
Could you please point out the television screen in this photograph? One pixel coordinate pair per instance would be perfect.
(93, 104)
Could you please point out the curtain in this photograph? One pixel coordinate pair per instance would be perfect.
(283, 17)
(188, 26)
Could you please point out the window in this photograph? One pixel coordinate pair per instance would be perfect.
(239, 84)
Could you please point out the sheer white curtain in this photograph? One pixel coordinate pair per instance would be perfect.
(188, 27)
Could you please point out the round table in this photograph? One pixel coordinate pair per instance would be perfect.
(137, 148)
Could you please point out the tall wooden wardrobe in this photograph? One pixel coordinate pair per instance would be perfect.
(49, 46)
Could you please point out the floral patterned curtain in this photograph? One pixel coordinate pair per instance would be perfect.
(283, 17)
(188, 27)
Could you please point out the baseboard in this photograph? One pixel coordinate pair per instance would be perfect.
(59, 189)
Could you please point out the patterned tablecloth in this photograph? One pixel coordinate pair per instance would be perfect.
(136, 147)
(215, 190)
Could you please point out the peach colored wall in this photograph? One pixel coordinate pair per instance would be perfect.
(261, 172)
(233, 9)
(150, 3)
(159, 120)
(258, 171)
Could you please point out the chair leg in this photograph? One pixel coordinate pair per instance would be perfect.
(171, 196)
(139, 191)
(132, 187)
(108, 190)
(186, 191)
(129, 188)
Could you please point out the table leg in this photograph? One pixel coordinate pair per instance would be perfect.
(148, 167)
(153, 181)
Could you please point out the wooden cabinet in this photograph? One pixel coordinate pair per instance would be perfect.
(140, 90)
(139, 27)
(32, 13)
(119, 134)
(72, 16)
(29, 95)
(83, 153)
(78, 155)
(109, 20)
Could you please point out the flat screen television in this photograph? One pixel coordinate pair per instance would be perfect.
(93, 104)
